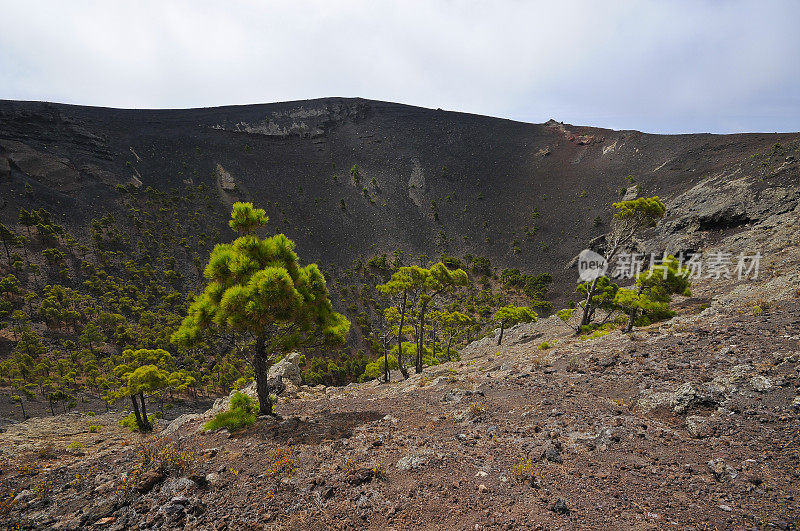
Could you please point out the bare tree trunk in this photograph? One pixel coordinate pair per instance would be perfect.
(261, 373)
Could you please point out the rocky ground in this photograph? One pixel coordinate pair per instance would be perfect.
(690, 423)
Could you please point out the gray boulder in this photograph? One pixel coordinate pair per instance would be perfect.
(287, 369)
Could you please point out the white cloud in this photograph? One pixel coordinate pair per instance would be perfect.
(656, 66)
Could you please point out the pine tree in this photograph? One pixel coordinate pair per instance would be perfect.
(437, 280)
(630, 218)
(143, 372)
(511, 315)
(10, 240)
(415, 287)
(257, 287)
(453, 325)
(655, 287)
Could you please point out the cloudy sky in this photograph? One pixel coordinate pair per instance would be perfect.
(663, 66)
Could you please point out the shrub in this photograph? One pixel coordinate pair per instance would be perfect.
(378, 470)
(526, 471)
(241, 414)
(94, 428)
(374, 369)
(166, 455)
(43, 488)
(155, 453)
(281, 462)
(74, 445)
(477, 410)
(544, 345)
(130, 422)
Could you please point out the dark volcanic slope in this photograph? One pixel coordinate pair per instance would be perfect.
(443, 180)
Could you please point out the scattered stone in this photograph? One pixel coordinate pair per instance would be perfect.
(174, 486)
(796, 403)
(699, 426)
(455, 395)
(171, 509)
(361, 476)
(560, 507)
(760, 383)
(149, 479)
(411, 462)
(553, 452)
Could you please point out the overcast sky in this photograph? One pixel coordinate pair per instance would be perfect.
(664, 66)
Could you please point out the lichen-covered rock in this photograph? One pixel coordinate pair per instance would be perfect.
(699, 426)
(288, 370)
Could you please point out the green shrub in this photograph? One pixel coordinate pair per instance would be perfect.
(130, 422)
(375, 369)
(74, 445)
(94, 428)
(242, 413)
(544, 345)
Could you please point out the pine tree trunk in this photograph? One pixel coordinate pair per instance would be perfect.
(587, 307)
(632, 314)
(421, 341)
(386, 375)
(631, 319)
(400, 364)
(136, 412)
(145, 420)
(261, 373)
(434, 340)
(500, 337)
(449, 342)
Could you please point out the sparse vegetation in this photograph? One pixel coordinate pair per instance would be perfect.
(242, 413)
